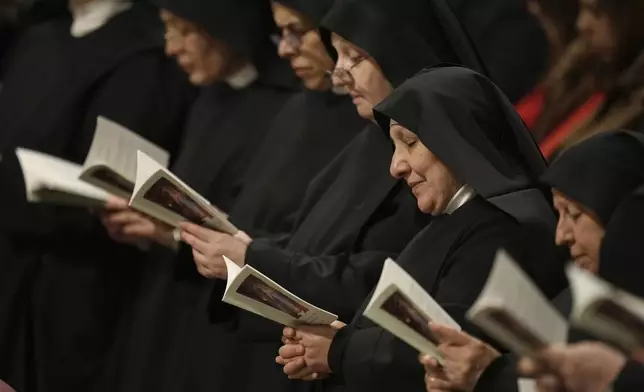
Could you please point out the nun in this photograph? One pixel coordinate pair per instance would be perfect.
(312, 127)
(354, 214)
(225, 47)
(592, 184)
(457, 143)
(65, 284)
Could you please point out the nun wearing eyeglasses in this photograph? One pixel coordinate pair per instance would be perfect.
(458, 142)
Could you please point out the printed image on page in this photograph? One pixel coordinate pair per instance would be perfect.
(254, 288)
(167, 195)
(401, 308)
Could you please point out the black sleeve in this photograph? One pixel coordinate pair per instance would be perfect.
(500, 376)
(631, 378)
(373, 359)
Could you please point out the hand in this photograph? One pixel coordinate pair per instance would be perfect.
(127, 226)
(465, 360)
(209, 247)
(306, 350)
(583, 367)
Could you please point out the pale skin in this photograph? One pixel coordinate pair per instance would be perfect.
(305, 351)
(582, 367)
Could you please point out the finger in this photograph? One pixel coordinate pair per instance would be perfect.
(337, 325)
(295, 367)
(531, 367)
(122, 217)
(195, 242)
(116, 203)
(243, 238)
(138, 229)
(200, 259)
(449, 335)
(291, 351)
(289, 332)
(198, 231)
(302, 374)
(428, 360)
(553, 356)
(312, 377)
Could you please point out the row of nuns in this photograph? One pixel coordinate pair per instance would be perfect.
(373, 129)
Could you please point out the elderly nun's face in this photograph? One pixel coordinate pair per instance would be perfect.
(201, 57)
(430, 180)
(579, 231)
(359, 74)
(302, 45)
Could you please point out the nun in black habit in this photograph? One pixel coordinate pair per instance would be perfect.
(589, 182)
(64, 282)
(354, 214)
(457, 143)
(312, 127)
(225, 46)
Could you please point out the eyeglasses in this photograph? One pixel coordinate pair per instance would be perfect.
(344, 74)
(291, 36)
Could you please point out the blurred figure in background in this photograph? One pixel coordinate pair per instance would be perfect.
(65, 284)
(598, 84)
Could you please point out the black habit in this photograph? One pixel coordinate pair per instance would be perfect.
(169, 345)
(65, 284)
(458, 115)
(354, 214)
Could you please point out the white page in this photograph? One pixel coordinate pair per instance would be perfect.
(115, 147)
(163, 196)
(605, 311)
(252, 291)
(400, 305)
(513, 310)
(526, 385)
(44, 172)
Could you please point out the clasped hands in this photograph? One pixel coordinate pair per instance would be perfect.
(128, 226)
(305, 352)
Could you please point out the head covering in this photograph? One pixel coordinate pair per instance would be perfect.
(622, 247)
(600, 172)
(467, 122)
(312, 9)
(402, 36)
(244, 25)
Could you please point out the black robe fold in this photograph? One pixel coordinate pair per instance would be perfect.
(225, 130)
(451, 259)
(67, 283)
(310, 130)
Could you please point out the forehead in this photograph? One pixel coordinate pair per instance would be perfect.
(284, 15)
(560, 200)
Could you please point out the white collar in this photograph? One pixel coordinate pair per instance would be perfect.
(243, 77)
(465, 194)
(93, 15)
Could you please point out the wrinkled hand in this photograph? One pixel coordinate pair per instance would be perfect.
(465, 360)
(209, 247)
(583, 367)
(128, 226)
(306, 350)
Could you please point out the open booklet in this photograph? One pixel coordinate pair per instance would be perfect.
(513, 310)
(252, 291)
(163, 196)
(606, 311)
(401, 306)
(49, 179)
(111, 161)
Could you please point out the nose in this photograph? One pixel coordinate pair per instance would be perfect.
(172, 46)
(285, 49)
(564, 234)
(399, 167)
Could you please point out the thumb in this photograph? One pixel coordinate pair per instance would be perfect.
(243, 238)
(553, 356)
(450, 336)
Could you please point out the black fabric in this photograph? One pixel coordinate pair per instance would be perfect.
(245, 25)
(308, 132)
(622, 247)
(314, 10)
(600, 172)
(68, 283)
(631, 378)
(509, 40)
(498, 154)
(451, 259)
(170, 338)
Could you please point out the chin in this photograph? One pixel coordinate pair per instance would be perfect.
(365, 109)
(317, 83)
